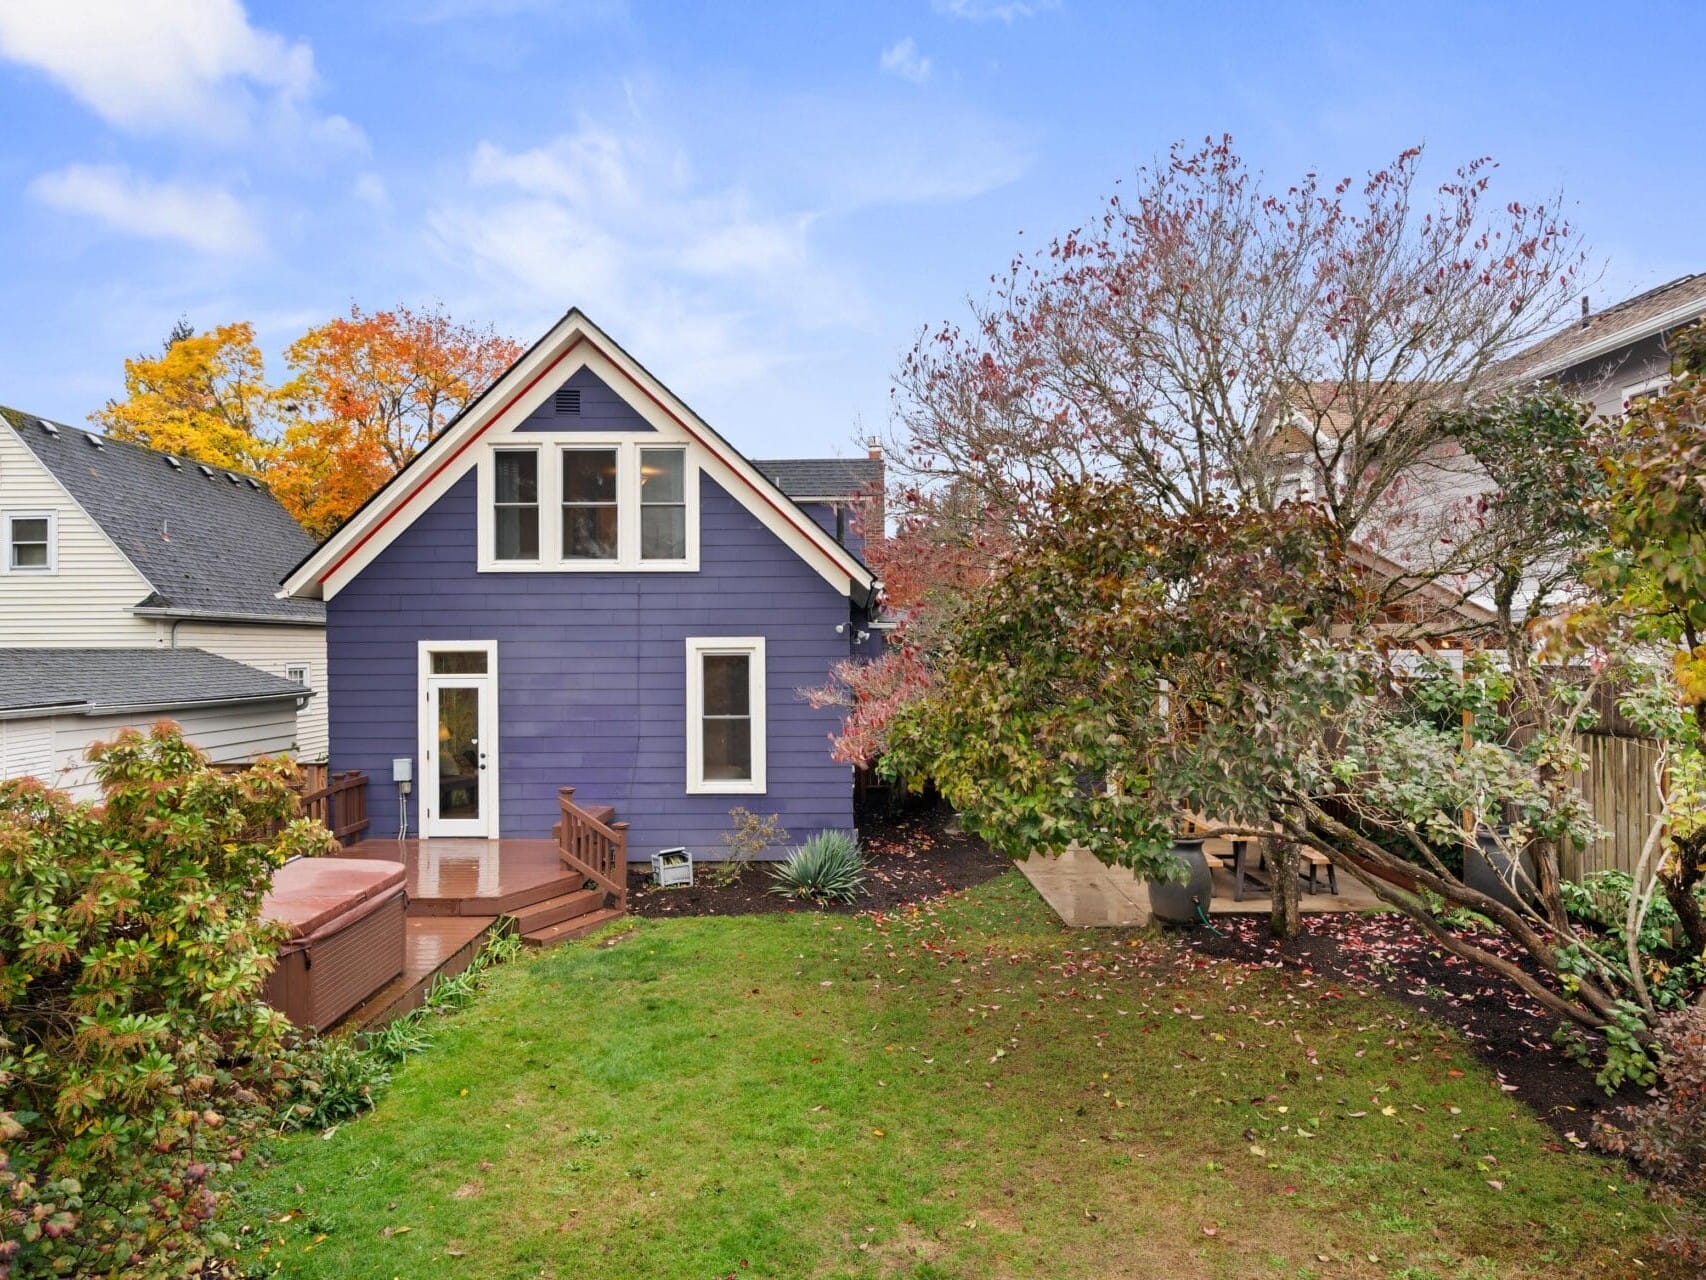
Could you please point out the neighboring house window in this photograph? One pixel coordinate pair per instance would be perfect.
(515, 505)
(1651, 387)
(30, 542)
(725, 716)
(297, 672)
(663, 504)
(591, 515)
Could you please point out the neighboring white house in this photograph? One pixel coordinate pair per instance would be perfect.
(113, 546)
(56, 702)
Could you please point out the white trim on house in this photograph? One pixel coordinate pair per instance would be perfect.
(574, 343)
(427, 822)
(550, 448)
(47, 570)
(698, 647)
(1651, 387)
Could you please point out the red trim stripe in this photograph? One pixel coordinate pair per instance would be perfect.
(792, 518)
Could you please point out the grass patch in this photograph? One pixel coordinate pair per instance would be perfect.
(966, 1090)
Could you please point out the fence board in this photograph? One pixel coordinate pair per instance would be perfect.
(1619, 787)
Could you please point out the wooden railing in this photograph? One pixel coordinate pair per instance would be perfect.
(597, 851)
(339, 804)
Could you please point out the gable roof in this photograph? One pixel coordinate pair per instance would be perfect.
(572, 343)
(803, 479)
(1631, 320)
(98, 681)
(212, 543)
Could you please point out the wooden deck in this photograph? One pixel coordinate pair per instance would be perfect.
(458, 891)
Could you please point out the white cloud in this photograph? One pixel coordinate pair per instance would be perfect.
(619, 223)
(371, 190)
(208, 219)
(903, 59)
(151, 66)
(998, 10)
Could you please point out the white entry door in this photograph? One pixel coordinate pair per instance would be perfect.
(459, 742)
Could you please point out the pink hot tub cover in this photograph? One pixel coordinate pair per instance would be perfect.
(310, 893)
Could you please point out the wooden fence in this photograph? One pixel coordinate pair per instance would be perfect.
(1620, 787)
(340, 804)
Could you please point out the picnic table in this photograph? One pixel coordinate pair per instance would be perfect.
(1243, 875)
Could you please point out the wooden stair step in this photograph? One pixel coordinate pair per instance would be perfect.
(578, 927)
(565, 906)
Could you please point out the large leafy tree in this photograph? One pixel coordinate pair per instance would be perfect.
(205, 396)
(136, 1057)
(368, 391)
(365, 393)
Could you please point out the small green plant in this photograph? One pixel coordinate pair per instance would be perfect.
(826, 868)
(748, 836)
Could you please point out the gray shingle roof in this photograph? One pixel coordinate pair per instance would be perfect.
(822, 477)
(213, 546)
(90, 681)
(1625, 322)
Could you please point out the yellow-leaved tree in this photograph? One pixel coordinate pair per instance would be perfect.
(366, 392)
(205, 397)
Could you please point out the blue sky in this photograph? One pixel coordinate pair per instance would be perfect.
(764, 203)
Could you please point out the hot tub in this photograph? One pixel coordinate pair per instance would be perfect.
(347, 935)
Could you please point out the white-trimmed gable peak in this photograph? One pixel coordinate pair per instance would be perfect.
(510, 410)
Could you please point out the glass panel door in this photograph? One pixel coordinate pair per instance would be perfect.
(459, 758)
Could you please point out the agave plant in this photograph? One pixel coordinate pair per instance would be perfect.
(826, 868)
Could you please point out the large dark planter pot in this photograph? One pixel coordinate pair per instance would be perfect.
(1177, 903)
(1487, 869)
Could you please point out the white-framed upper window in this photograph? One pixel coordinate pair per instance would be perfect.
(1651, 387)
(297, 673)
(726, 745)
(515, 505)
(588, 505)
(32, 542)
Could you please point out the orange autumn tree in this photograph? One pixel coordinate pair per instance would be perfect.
(368, 391)
(204, 396)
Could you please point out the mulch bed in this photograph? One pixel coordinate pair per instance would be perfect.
(911, 856)
(1504, 1026)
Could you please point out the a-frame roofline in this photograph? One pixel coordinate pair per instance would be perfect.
(573, 342)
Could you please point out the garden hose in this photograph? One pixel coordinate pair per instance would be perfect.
(1203, 916)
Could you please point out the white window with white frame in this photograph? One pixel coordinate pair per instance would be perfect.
(31, 539)
(1643, 390)
(726, 745)
(588, 505)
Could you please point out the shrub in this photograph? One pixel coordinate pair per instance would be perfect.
(748, 836)
(826, 868)
(137, 1058)
(1666, 1137)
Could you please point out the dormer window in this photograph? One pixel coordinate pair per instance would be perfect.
(31, 542)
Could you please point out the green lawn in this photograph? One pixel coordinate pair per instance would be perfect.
(968, 1090)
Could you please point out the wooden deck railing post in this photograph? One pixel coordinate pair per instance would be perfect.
(597, 851)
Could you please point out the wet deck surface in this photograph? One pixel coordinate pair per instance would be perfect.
(448, 876)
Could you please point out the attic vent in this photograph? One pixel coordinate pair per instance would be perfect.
(174, 463)
(253, 483)
(233, 479)
(205, 469)
(50, 428)
(95, 441)
(569, 400)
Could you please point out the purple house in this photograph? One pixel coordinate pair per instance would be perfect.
(580, 583)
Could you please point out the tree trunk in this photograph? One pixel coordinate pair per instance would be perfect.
(1286, 922)
(1679, 888)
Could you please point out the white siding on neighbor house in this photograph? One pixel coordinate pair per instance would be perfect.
(274, 650)
(26, 748)
(228, 735)
(87, 602)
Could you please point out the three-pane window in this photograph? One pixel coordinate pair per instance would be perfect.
(29, 543)
(591, 515)
(515, 504)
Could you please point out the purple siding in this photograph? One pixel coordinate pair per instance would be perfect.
(591, 674)
(824, 515)
(601, 409)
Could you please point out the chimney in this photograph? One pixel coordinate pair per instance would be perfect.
(876, 513)
(1586, 311)
(874, 447)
